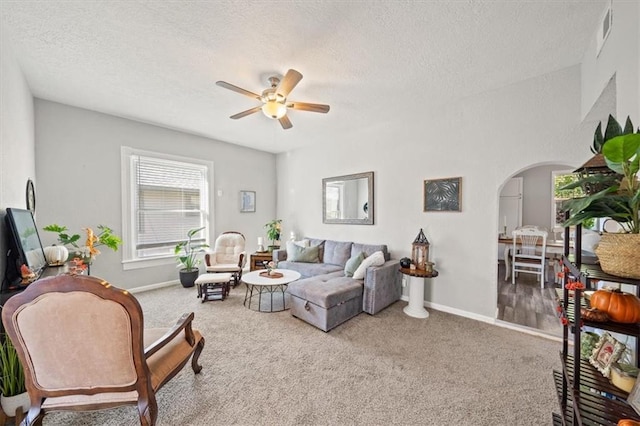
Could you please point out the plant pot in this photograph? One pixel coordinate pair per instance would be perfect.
(11, 403)
(618, 254)
(188, 277)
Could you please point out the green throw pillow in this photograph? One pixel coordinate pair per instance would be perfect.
(295, 253)
(352, 264)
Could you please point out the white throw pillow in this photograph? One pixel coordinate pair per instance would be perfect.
(303, 243)
(375, 259)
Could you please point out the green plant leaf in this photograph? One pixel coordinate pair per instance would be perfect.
(628, 126)
(598, 140)
(595, 179)
(621, 148)
(613, 129)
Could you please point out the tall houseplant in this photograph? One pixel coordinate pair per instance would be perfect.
(12, 383)
(619, 200)
(187, 257)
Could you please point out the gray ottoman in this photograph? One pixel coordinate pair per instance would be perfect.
(326, 301)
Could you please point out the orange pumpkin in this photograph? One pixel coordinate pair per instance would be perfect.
(621, 307)
(628, 422)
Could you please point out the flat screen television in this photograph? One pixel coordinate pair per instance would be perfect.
(25, 246)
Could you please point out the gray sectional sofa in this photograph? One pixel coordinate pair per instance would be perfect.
(325, 297)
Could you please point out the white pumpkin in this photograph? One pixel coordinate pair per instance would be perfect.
(56, 255)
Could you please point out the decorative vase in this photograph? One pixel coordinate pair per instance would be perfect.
(11, 403)
(618, 254)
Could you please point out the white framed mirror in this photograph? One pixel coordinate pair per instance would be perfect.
(348, 199)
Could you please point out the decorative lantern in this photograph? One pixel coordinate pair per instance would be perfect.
(596, 165)
(420, 251)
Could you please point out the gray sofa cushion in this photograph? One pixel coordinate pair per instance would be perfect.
(310, 269)
(326, 290)
(369, 249)
(337, 252)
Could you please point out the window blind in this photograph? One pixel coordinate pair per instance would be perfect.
(168, 201)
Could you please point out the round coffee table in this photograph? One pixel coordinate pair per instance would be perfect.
(257, 285)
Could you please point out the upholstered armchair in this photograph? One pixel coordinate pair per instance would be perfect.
(82, 345)
(228, 255)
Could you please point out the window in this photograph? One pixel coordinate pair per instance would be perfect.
(163, 198)
(334, 197)
(560, 178)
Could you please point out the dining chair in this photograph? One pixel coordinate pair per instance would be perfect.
(528, 253)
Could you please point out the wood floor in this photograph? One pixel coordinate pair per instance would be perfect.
(526, 304)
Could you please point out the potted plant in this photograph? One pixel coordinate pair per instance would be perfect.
(12, 384)
(273, 232)
(187, 257)
(619, 200)
(88, 252)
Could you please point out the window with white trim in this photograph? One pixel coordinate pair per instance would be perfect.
(164, 197)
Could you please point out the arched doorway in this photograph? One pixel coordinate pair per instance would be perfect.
(528, 198)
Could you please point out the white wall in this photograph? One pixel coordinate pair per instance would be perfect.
(17, 162)
(485, 139)
(537, 195)
(78, 163)
(620, 56)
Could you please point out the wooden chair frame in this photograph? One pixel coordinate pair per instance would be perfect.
(146, 400)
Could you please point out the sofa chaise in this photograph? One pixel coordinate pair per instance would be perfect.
(325, 296)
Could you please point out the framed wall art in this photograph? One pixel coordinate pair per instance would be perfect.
(247, 201)
(607, 351)
(443, 195)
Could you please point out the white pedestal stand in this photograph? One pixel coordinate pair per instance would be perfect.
(415, 308)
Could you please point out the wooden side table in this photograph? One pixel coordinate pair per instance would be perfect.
(417, 278)
(257, 258)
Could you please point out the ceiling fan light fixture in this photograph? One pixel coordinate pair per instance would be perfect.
(274, 109)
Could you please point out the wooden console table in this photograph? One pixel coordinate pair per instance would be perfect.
(417, 279)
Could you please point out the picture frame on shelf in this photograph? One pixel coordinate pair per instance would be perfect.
(607, 351)
(634, 397)
(442, 195)
(247, 201)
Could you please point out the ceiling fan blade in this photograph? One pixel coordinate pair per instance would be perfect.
(305, 106)
(285, 122)
(245, 113)
(237, 89)
(289, 81)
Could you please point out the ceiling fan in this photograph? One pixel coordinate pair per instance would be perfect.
(274, 99)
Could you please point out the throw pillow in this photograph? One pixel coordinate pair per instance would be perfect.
(303, 243)
(376, 259)
(352, 264)
(295, 253)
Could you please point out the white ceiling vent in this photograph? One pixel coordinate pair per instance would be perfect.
(605, 27)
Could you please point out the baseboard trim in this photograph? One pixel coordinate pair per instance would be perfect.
(153, 286)
(486, 319)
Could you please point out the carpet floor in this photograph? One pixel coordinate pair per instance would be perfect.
(387, 369)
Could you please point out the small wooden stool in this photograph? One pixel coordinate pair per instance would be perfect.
(213, 286)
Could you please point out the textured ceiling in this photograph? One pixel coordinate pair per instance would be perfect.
(158, 61)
